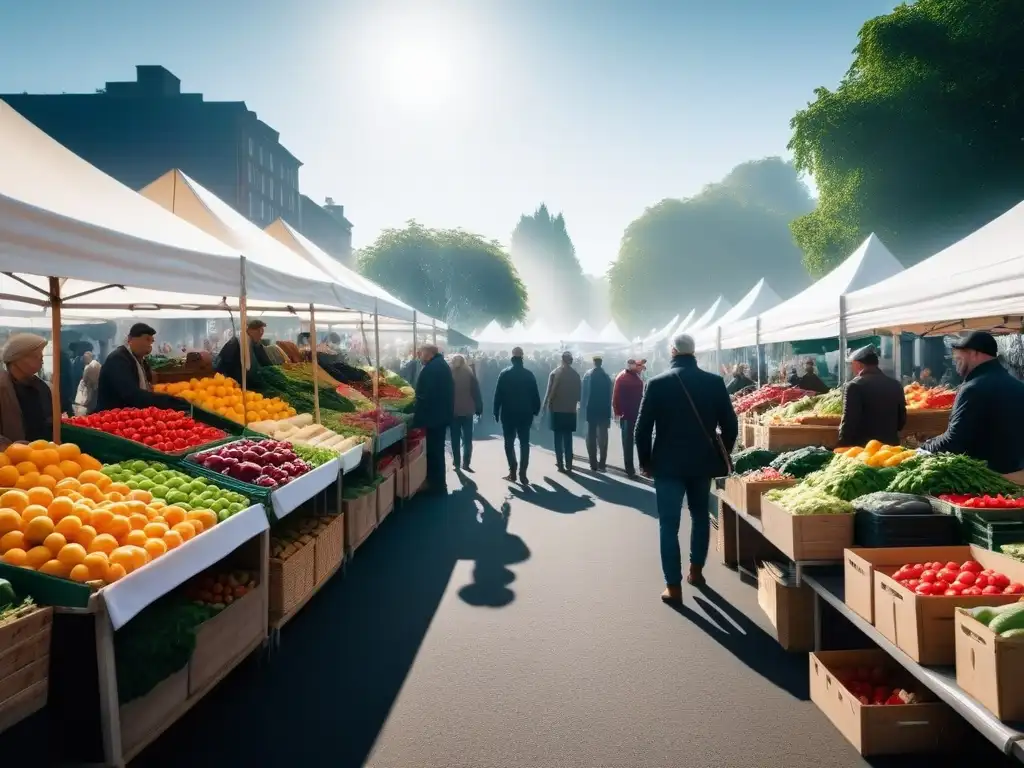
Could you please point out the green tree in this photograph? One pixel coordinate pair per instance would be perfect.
(544, 255)
(921, 141)
(450, 274)
(681, 254)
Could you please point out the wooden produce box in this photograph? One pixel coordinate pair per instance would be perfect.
(989, 667)
(859, 566)
(880, 729)
(227, 638)
(361, 519)
(147, 716)
(329, 547)
(788, 437)
(24, 664)
(745, 495)
(292, 580)
(749, 433)
(789, 608)
(385, 498)
(923, 626)
(416, 474)
(806, 537)
(930, 423)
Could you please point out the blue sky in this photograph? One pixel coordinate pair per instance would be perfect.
(470, 113)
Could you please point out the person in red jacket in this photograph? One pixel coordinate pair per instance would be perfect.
(626, 396)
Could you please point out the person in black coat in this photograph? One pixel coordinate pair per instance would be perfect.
(229, 362)
(811, 381)
(874, 405)
(987, 422)
(516, 405)
(597, 409)
(684, 408)
(126, 380)
(740, 380)
(434, 411)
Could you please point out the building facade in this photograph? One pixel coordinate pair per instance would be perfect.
(138, 130)
(327, 226)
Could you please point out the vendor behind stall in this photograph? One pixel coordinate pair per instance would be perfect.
(874, 406)
(126, 380)
(987, 422)
(810, 381)
(230, 361)
(25, 409)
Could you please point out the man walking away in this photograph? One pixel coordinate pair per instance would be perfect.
(597, 394)
(561, 401)
(435, 406)
(626, 396)
(516, 404)
(468, 403)
(685, 407)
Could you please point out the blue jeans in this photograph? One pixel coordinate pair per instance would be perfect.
(670, 493)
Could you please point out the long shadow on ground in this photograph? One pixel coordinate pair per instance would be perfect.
(324, 697)
(619, 492)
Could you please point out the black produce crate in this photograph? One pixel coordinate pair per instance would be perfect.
(871, 530)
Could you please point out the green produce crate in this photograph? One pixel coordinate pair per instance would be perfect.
(112, 448)
(44, 589)
(256, 494)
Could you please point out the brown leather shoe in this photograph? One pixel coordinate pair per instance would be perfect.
(672, 594)
(696, 576)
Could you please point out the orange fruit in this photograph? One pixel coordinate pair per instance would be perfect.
(113, 495)
(80, 573)
(55, 568)
(173, 539)
(155, 530)
(121, 488)
(140, 495)
(85, 536)
(140, 555)
(44, 458)
(90, 476)
(32, 511)
(186, 530)
(88, 462)
(8, 476)
(125, 557)
(25, 467)
(16, 500)
(97, 564)
(40, 496)
(157, 519)
(114, 572)
(18, 453)
(60, 508)
(37, 529)
(27, 482)
(138, 521)
(205, 516)
(118, 508)
(46, 482)
(54, 471)
(120, 526)
(4, 461)
(101, 519)
(55, 543)
(136, 538)
(156, 504)
(70, 468)
(72, 554)
(15, 556)
(83, 512)
(92, 492)
(104, 542)
(173, 515)
(36, 556)
(69, 526)
(134, 508)
(195, 523)
(69, 452)
(71, 483)
(10, 521)
(155, 547)
(12, 540)
(38, 445)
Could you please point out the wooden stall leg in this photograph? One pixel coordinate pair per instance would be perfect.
(110, 707)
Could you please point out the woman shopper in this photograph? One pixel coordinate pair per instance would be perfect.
(468, 404)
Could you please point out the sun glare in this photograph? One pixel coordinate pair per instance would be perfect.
(417, 71)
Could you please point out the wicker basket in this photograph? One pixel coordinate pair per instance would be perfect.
(329, 549)
(291, 581)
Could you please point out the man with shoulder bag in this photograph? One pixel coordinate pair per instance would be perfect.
(688, 414)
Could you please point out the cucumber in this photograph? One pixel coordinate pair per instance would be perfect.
(1010, 618)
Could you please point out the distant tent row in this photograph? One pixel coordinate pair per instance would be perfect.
(540, 335)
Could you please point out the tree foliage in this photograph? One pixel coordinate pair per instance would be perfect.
(681, 254)
(450, 274)
(921, 141)
(545, 257)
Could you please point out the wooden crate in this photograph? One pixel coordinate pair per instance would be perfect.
(749, 433)
(926, 423)
(745, 496)
(806, 537)
(361, 519)
(385, 498)
(416, 474)
(788, 437)
(24, 664)
(224, 637)
(291, 582)
(329, 549)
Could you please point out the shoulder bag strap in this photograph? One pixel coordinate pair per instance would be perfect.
(715, 440)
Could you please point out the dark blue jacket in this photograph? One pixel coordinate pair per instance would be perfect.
(516, 397)
(435, 395)
(596, 401)
(681, 446)
(987, 422)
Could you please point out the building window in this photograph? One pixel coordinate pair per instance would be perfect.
(261, 156)
(250, 204)
(250, 146)
(250, 172)
(280, 195)
(263, 184)
(263, 210)
(271, 187)
(270, 159)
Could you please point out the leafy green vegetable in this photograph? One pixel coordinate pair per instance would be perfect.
(314, 455)
(847, 479)
(808, 500)
(940, 473)
(802, 462)
(752, 458)
(270, 381)
(1016, 551)
(14, 610)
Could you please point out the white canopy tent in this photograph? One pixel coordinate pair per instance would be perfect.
(758, 299)
(612, 336)
(814, 312)
(583, 333)
(540, 334)
(716, 310)
(662, 333)
(976, 283)
(492, 333)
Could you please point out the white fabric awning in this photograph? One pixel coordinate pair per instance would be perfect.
(662, 333)
(976, 283)
(716, 310)
(611, 335)
(758, 299)
(583, 333)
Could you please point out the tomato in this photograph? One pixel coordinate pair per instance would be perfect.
(913, 583)
(981, 580)
(973, 591)
(940, 585)
(1016, 588)
(972, 566)
(967, 578)
(957, 587)
(924, 588)
(991, 590)
(1000, 580)
(951, 593)
(929, 575)
(947, 574)
(954, 567)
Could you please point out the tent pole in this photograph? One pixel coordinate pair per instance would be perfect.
(316, 366)
(434, 324)
(376, 366)
(415, 345)
(243, 340)
(757, 348)
(842, 339)
(718, 351)
(55, 340)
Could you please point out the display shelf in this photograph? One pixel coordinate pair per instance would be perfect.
(352, 458)
(290, 497)
(940, 680)
(390, 437)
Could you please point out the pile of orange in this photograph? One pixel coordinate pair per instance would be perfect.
(221, 394)
(83, 526)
